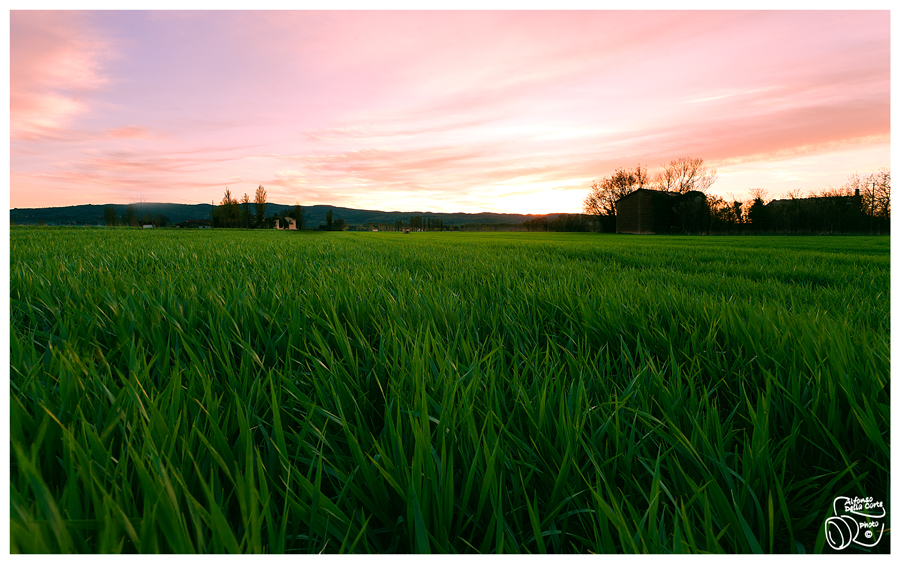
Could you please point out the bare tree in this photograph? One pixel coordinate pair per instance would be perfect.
(760, 194)
(831, 192)
(875, 192)
(604, 194)
(685, 175)
(879, 193)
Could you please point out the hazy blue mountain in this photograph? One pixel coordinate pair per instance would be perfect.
(92, 214)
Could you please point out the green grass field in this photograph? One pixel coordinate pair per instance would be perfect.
(261, 391)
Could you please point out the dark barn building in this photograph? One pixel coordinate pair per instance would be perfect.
(826, 214)
(654, 211)
(644, 211)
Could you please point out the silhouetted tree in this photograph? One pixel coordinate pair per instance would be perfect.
(881, 194)
(339, 225)
(725, 217)
(130, 216)
(685, 175)
(260, 203)
(109, 216)
(875, 193)
(246, 215)
(604, 193)
(568, 222)
(758, 214)
(298, 213)
(328, 217)
(536, 224)
(228, 212)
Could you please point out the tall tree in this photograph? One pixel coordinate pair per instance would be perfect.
(228, 212)
(298, 213)
(875, 190)
(328, 217)
(875, 193)
(246, 216)
(260, 203)
(757, 214)
(881, 194)
(130, 216)
(109, 216)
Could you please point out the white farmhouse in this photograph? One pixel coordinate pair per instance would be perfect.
(291, 224)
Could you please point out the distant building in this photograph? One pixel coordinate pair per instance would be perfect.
(195, 224)
(815, 214)
(644, 211)
(654, 211)
(148, 227)
(291, 224)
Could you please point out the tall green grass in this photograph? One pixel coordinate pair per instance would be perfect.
(269, 392)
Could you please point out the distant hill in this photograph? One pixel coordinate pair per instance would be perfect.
(92, 214)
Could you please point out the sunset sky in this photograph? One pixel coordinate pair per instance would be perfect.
(508, 111)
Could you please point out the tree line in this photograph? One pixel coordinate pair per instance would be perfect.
(244, 213)
(232, 213)
(420, 223)
(251, 214)
(132, 217)
(861, 205)
(564, 222)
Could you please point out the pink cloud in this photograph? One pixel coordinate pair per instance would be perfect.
(128, 132)
(55, 61)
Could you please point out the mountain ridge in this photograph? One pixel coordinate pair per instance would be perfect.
(92, 214)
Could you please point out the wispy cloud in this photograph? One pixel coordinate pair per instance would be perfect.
(128, 132)
(56, 61)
